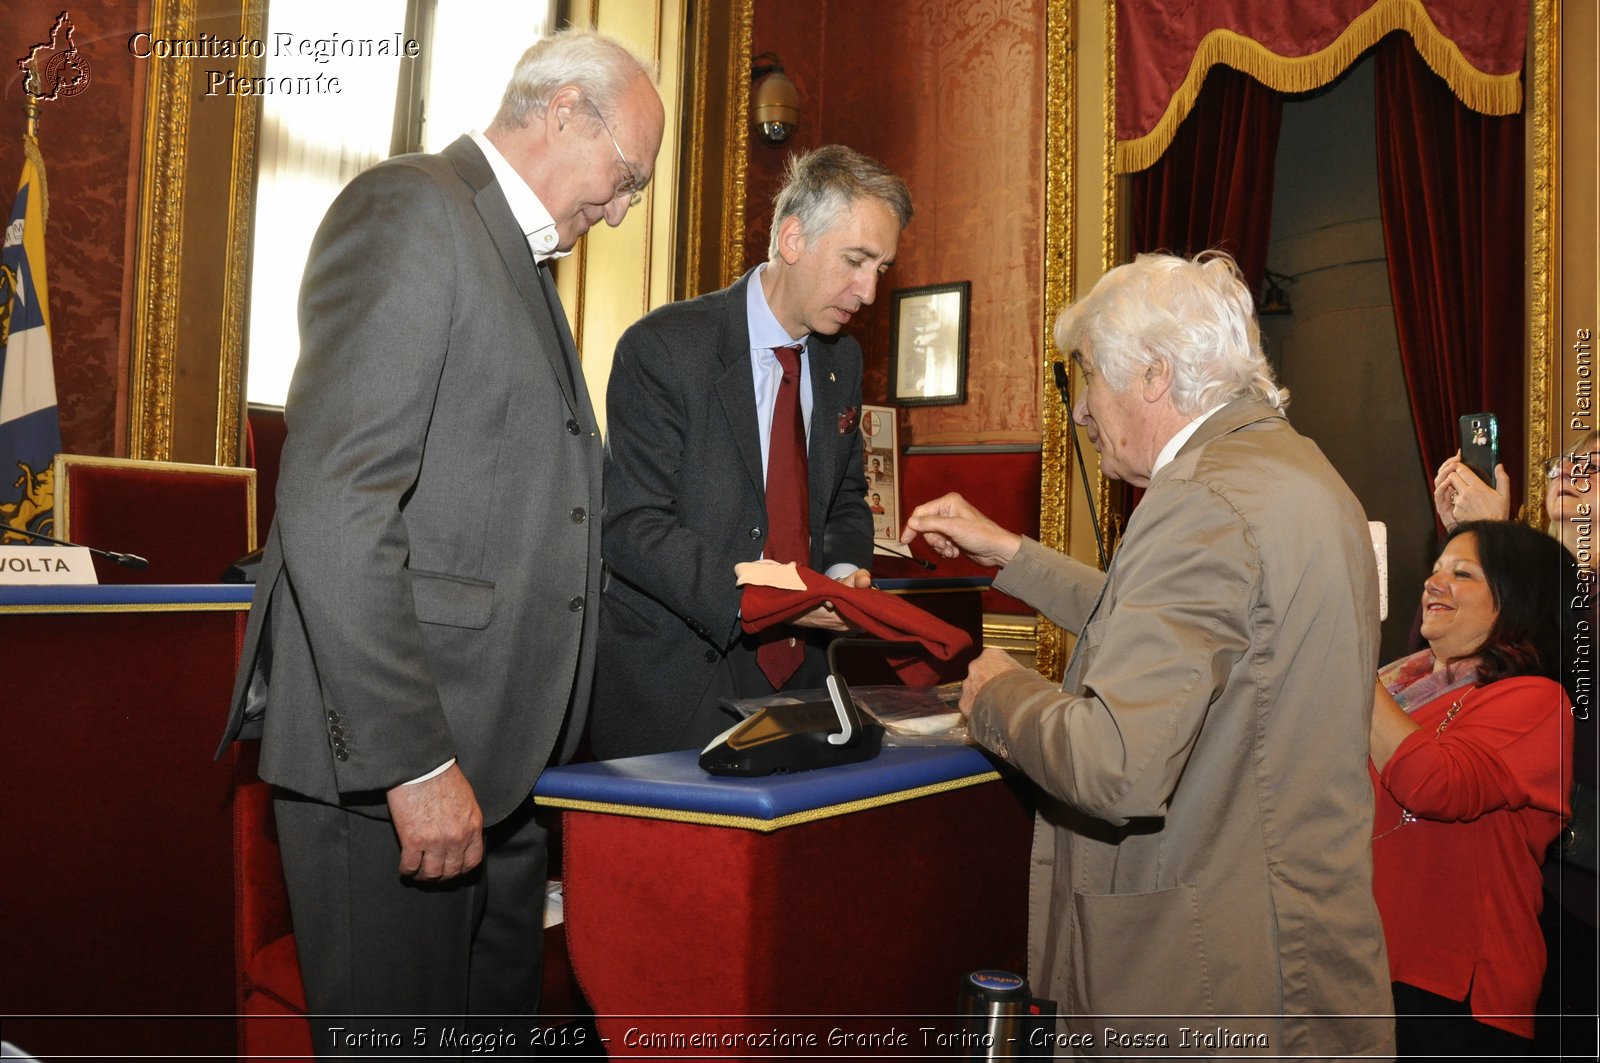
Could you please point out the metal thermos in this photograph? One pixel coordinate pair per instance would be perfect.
(996, 1016)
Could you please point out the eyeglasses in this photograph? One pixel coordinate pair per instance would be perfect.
(1570, 465)
(633, 185)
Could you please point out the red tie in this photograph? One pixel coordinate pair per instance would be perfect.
(788, 507)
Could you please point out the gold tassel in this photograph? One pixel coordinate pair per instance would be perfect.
(1496, 94)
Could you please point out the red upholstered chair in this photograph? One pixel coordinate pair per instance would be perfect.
(190, 521)
(271, 999)
(267, 433)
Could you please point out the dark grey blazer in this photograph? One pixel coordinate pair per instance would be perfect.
(685, 501)
(430, 584)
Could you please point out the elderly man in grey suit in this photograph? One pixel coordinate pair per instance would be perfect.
(1201, 879)
(421, 641)
(733, 434)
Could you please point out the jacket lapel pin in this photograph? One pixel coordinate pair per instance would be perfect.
(849, 417)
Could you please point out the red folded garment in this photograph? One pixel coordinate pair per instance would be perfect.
(878, 613)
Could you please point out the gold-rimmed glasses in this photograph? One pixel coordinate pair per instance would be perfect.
(632, 186)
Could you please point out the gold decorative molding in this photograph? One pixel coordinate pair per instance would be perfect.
(1109, 208)
(1108, 188)
(1543, 234)
(1055, 498)
(1012, 634)
(736, 164)
(236, 278)
(153, 360)
(694, 174)
(191, 259)
(61, 609)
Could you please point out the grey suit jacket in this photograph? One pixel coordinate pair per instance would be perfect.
(1208, 850)
(430, 583)
(686, 500)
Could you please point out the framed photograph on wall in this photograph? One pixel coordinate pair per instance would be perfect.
(880, 461)
(928, 345)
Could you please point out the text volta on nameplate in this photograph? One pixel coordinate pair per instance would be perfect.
(23, 566)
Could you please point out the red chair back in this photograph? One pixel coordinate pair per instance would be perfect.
(189, 521)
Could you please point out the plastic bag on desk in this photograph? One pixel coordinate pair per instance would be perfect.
(916, 716)
(910, 716)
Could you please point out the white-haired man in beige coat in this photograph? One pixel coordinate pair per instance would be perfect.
(1202, 869)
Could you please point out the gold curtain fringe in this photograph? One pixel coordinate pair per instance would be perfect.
(30, 152)
(1486, 93)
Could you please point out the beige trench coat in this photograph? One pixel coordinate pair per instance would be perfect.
(1202, 866)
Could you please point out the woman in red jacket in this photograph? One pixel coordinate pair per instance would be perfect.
(1471, 755)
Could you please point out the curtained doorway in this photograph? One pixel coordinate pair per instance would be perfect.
(1338, 351)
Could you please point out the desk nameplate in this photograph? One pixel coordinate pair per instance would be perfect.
(46, 566)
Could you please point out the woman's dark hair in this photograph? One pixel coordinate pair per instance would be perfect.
(1526, 572)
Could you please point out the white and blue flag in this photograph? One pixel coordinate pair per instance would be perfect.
(30, 422)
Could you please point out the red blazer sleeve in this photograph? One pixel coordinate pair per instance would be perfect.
(1509, 747)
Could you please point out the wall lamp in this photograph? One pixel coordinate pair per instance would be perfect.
(1275, 300)
(774, 103)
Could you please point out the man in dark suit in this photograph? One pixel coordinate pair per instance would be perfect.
(421, 641)
(696, 424)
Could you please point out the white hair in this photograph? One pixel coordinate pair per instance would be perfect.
(1195, 314)
(601, 67)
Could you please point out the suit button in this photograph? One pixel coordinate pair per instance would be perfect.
(341, 755)
(579, 516)
(755, 533)
(711, 656)
(572, 427)
(336, 731)
(576, 605)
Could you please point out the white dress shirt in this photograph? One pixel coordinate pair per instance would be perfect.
(1176, 443)
(532, 217)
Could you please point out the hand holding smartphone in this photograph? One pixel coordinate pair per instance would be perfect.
(1480, 445)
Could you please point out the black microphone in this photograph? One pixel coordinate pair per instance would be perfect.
(133, 561)
(908, 555)
(1060, 369)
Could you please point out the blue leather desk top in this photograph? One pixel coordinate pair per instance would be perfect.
(673, 786)
(112, 597)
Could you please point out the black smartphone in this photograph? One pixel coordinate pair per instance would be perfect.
(1480, 445)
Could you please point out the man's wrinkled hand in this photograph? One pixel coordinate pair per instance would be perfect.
(988, 664)
(952, 526)
(439, 825)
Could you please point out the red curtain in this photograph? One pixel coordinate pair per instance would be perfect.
(1213, 185)
(1166, 47)
(1451, 186)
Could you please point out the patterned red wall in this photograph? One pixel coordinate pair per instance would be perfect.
(91, 150)
(950, 95)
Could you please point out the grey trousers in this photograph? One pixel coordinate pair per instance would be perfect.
(385, 957)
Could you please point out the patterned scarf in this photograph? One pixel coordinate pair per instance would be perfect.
(1412, 682)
